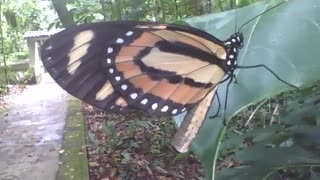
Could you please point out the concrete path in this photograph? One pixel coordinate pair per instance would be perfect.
(31, 133)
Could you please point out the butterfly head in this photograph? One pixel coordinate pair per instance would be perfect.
(235, 41)
(239, 39)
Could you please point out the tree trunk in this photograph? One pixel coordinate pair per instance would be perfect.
(163, 10)
(103, 7)
(209, 6)
(65, 16)
(116, 10)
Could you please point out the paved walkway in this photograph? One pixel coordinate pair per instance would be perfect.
(31, 133)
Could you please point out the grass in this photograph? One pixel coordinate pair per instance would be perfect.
(73, 153)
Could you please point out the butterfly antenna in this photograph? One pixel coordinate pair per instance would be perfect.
(261, 14)
(236, 19)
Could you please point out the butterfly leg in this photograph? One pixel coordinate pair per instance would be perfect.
(226, 101)
(235, 79)
(219, 106)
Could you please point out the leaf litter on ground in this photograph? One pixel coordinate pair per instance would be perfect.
(135, 146)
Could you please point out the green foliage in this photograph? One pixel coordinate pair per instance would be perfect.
(285, 40)
(21, 15)
(144, 10)
(18, 56)
(18, 77)
(27, 77)
(2, 87)
(17, 18)
(266, 153)
(85, 11)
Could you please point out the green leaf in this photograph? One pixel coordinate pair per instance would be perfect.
(286, 39)
(294, 145)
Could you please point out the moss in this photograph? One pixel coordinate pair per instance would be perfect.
(73, 154)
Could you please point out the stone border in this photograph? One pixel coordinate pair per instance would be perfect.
(73, 155)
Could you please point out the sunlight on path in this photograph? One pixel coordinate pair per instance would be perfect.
(31, 133)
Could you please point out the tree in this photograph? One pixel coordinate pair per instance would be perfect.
(65, 16)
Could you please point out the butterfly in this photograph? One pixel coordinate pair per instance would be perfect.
(158, 68)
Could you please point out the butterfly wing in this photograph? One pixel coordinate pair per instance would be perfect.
(163, 69)
(192, 123)
(159, 68)
(73, 59)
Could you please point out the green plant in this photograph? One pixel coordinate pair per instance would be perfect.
(28, 77)
(17, 18)
(19, 77)
(288, 146)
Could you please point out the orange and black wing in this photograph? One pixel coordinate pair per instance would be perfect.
(158, 68)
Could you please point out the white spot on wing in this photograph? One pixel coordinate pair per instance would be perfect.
(144, 101)
(133, 95)
(229, 62)
(154, 106)
(184, 109)
(49, 47)
(109, 61)
(110, 50)
(129, 33)
(233, 40)
(231, 56)
(111, 70)
(124, 87)
(120, 40)
(165, 109)
(174, 111)
(117, 78)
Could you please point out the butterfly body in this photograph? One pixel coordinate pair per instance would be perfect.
(158, 68)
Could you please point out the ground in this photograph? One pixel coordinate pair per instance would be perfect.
(135, 146)
(31, 133)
